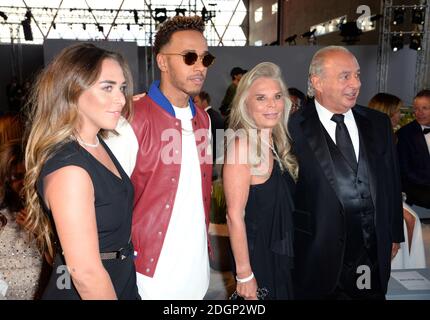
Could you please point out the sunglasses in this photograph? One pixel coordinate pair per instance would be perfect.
(190, 58)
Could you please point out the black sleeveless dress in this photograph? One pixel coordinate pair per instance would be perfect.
(268, 220)
(113, 207)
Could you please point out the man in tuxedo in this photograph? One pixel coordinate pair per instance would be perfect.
(203, 101)
(414, 153)
(348, 217)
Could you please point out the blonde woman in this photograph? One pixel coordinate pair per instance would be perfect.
(388, 104)
(79, 198)
(258, 177)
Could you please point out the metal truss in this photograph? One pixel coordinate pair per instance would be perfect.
(422, 77)
(107, 20)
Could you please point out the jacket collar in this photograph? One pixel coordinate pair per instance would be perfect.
(314, 133)
(159, 98)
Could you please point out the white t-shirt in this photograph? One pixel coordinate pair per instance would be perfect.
(182, 270)
(124, 145)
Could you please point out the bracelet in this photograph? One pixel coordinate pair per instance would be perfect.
(248, 278)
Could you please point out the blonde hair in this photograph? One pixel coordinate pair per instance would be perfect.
(386, 103)
(240, 118)
(53, 118)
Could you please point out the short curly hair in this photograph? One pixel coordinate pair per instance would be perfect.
(172, 25)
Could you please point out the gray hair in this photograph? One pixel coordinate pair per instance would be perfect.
(316, 67)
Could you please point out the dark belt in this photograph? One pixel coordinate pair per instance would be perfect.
(120, 254)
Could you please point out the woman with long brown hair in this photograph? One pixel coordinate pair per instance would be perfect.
(11, 127)
(79, 199)
(20, 260)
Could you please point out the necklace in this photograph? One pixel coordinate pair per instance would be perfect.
(278, 158)
(91, 145)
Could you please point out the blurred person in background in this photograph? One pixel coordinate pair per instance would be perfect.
(20, 260)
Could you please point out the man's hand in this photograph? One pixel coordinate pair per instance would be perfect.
(394, 249)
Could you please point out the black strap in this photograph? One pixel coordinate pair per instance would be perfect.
(121, 254)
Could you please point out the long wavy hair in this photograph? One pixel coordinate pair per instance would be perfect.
(11, 155)
(53, 119)
(386, 103)
(11, 127)
(240, 118)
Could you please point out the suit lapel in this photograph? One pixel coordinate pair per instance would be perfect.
(367, 141)
(315, 136)
(421, 141)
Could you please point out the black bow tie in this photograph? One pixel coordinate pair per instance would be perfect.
(426, 130)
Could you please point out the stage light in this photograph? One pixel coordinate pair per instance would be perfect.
(396, 42)
(309, 34)
(291, 40)
(160, 15)
(207, 15)
(350, 32)
(28, 15)
(84, 26)
(180, 11)
(136, 17)
(398, 16)
(418, 15)
(3, 15)
(415, 42)
(26, 25)
(100, 28)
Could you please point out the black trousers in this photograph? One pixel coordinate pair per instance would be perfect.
(417, 194)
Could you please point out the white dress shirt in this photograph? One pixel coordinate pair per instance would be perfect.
(427, 137)
(325, 118)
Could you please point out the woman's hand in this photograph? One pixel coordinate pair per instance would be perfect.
(248, 289)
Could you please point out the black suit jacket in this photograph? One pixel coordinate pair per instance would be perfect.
(319, 218)
(217, 123)
(414, 156)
